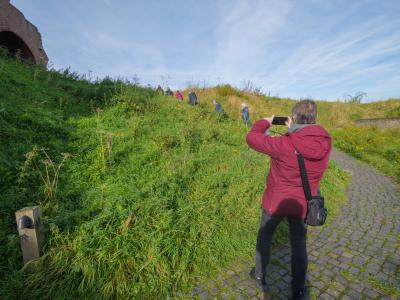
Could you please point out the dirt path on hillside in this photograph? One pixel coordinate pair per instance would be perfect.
(355, 256)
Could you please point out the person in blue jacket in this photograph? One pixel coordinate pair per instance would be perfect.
(245, 114)
(218, 107)
(192, 98)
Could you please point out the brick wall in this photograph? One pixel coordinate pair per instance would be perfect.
(12, 20)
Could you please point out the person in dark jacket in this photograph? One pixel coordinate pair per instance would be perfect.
(218, 107)
(284, 195)
(192, 98)
(168, 92)
(160, 90)
(245, 114)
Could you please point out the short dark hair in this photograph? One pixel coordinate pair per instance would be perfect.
(305, 112)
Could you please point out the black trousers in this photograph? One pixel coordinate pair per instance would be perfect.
(298, 234)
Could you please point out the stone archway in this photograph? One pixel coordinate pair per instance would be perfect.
(19, 36)
(15, 46)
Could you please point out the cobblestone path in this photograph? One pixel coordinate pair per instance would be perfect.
(355, 256)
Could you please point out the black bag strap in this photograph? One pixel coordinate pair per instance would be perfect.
(303, 173)
(304, 179)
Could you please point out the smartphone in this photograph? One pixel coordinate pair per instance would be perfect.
(279, 120)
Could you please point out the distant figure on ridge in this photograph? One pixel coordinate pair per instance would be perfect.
(245, 114)
(179, 95)
(192, 98)
(160, 90)
(168, 92)
(218, 107)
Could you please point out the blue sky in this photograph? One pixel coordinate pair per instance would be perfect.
(322, 49)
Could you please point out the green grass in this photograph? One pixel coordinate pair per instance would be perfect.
(154, 193)
(380, 148)
(333, 186)
(385, 287)
(35, 105)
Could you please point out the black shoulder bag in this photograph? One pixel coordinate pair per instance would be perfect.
(316, 212)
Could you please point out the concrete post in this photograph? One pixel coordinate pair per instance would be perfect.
(30, 232)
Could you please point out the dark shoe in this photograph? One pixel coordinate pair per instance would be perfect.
(259, 279)
(300, 295)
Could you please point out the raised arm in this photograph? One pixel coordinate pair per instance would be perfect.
(259, 141)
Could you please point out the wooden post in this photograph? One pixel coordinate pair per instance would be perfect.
(30, 232)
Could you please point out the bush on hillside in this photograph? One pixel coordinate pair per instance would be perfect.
(226, 90)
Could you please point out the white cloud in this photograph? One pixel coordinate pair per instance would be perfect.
(117, 54)
(330, 61)
(325, 54)
(245, 30)
(319, 48)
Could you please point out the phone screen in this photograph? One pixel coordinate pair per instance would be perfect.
(279, 120)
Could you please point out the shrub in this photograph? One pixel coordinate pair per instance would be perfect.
(226, 90)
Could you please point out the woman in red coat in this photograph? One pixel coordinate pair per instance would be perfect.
(284, 195)
(178, 95)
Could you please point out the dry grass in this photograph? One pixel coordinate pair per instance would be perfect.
(331, 114)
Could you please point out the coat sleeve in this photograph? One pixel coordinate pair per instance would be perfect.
(259, 141)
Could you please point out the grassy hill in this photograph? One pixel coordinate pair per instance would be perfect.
(150, 193)
(381, 148)
(330, 114)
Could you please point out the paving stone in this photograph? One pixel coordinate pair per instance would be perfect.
(287, 279)
(339, 287)
(348, 254)
(319, 284)
(355, 294)
(235, 278)
(343, 259)
(281, 285)
(214, 291)
(225, 295)
(382, 276)
(333, 292)
(390, 267)
(354, 271)
(251, 291)
(282, 272)
(372, 268)
(242, 285)
(203, 295)
(371, 293)
(326, 296)
(328, 273)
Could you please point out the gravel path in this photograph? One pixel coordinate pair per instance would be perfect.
(355, 256)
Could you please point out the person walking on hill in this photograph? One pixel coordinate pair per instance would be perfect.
(218, 107)
(168, 92)
(284, 195)
(192, 98)
(160, 90)
(179, 96)
(245, 114)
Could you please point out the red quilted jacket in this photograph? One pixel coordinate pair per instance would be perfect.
(284, 195)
